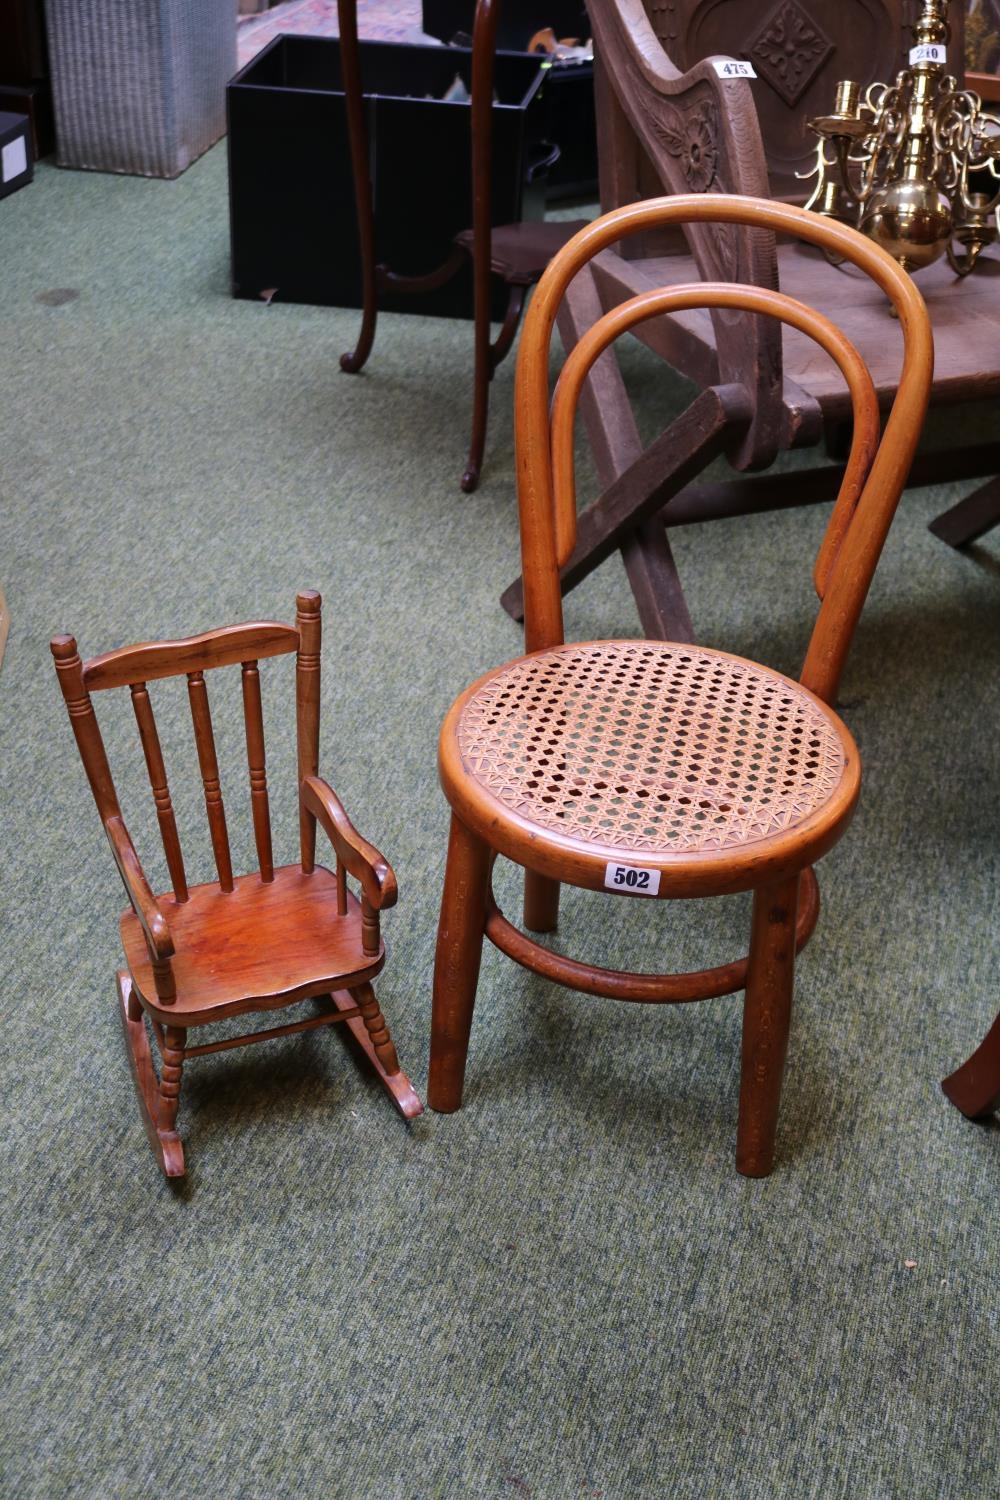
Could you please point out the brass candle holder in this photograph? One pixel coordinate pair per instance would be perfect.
(913, 164)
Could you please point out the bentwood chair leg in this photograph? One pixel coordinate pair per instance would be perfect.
(541, 902)
(456, 965)
(767, 1014)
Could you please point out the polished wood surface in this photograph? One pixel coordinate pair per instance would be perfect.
(623, 766)
(241, 943)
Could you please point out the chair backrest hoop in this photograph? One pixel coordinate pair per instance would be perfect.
(846, 563)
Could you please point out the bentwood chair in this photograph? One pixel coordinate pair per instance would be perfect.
(256, 942)
(646, 768)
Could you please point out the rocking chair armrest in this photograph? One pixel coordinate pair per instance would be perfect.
(138, 890)
(359, 858)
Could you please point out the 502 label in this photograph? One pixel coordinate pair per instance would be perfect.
(633, 880)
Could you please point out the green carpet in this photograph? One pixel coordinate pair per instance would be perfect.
(564, 1290)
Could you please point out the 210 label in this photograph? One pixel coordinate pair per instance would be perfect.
(632, 880)
(931, 52)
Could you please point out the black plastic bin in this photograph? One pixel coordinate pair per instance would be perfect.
(570, 120)
(291, 198)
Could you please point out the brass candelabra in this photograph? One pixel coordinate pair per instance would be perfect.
(913, 164)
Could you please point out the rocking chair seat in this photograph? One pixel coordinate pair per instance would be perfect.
(703, 765)
(226, 944)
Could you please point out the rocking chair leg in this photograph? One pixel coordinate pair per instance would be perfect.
(369, 1033)
(163, 1138)
(456, 966)
(170, 1076)
(767, 1014)
(378, 1031)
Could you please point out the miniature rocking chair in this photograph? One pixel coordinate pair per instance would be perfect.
(252, 942)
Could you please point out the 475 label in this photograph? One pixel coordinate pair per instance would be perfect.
(632, 880)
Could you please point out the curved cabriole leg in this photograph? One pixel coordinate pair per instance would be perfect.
(480, 402)
(456, 964)
(488, 356)
(767, 1014)
(163, 1137)
(484, 41)
(974, 1088)
(350, 62)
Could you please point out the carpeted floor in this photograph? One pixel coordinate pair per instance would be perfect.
(565, 1290)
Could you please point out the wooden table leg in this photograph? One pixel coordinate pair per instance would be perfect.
(971, 518)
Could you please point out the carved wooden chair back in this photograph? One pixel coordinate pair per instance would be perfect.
(697, 132)
(875, 472)
(799, 50)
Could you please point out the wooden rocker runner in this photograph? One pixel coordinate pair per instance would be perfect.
(651, 767)
(256, 942)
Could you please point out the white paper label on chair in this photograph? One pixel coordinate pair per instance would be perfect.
(632, 880)
(732, 69)
(928, 52)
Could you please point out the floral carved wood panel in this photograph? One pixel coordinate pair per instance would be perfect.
(799, 50)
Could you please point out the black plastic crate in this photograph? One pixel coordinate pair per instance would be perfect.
(570, 119)
(16, 158)
(292, 216)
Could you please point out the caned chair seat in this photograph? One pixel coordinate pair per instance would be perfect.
(663, 755)
(224, 962)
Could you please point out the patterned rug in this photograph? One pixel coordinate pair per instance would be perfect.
(381, 20)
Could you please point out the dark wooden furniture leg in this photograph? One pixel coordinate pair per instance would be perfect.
(484, 41)
(350, 62)
(971, 518)
(974, 1088)
(456, 964)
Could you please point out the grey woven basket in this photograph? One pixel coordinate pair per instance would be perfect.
(139, 85)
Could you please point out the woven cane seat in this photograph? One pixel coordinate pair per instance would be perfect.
(663, 750)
